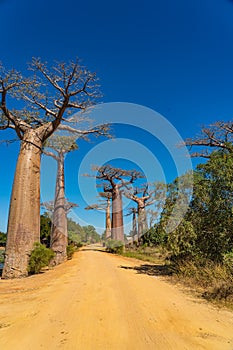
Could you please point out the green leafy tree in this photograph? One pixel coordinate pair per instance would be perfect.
(45, 229)
(76, 233)
(2, 239)
(91, 235)
(211, 209)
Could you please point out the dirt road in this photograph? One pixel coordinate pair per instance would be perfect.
(99, 301)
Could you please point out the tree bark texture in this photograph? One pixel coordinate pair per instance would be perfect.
(24, 215)
(117, 216)
(59, 235)
(142, 221)
(134, 227)
(108, 220)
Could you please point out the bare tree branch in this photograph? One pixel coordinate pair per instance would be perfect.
(217, 135)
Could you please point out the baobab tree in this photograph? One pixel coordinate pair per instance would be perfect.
(219, 135)
(142, 197)
(114, 179)
(57, 147)
(49, 207)
(46, 99)
(134, 232)
(106, 206)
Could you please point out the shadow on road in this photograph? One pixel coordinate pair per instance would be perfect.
(151, 270)
(93, 248)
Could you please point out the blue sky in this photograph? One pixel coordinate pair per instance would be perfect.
(174, 57)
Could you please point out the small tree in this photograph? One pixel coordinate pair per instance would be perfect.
(91, 235)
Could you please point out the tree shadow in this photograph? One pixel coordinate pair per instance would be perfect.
(93, 249)
(151, 270)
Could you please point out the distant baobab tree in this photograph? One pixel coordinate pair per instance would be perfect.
(57, 147)
(104, 205)
(134, 232)
(113, 180)
(143, 198)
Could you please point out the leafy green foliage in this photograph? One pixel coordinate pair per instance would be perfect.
(2, 257)
(76, 233)
(114, 246)
(228, 260)
(155, 236)
(91, 235)
(45, 229)
(182, 241)
(2, 239)
(40, 257)
(211, 208)
(70, 250)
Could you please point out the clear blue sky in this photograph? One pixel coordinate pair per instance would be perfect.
(174, 57)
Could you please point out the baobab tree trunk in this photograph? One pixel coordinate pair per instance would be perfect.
(134, 226)
(108, 220)
(59, 235)
(117, 216)
(142, 221)
(24, 216)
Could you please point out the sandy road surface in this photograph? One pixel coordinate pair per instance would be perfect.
(98, 301)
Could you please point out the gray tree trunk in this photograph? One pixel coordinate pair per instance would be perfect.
(24, 216)
(134, 227)
(59, 235)
(108, 220)
(142, 221)
(117, 216)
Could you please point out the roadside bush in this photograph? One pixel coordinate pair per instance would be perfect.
(2, 256)
(155, 236)
(40, 257)
(114, 246)
(214, 280)
(228, 260)
(70, 249)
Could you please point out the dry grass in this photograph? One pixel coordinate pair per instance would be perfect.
(212, 281)
(154, 255)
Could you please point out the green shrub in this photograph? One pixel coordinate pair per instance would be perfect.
(2, 256)
(228, 260)
(40, 257)
(114, 246)
(70, 249)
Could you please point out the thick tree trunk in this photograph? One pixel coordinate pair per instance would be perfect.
(117, 216)
(134, 227)
(108, 220)
(142, 221)
(59, 235)
(24, 216)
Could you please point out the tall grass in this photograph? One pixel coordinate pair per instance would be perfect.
(214, 281)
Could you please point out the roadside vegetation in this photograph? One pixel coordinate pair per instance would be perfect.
(199, 251)
(42, 255)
